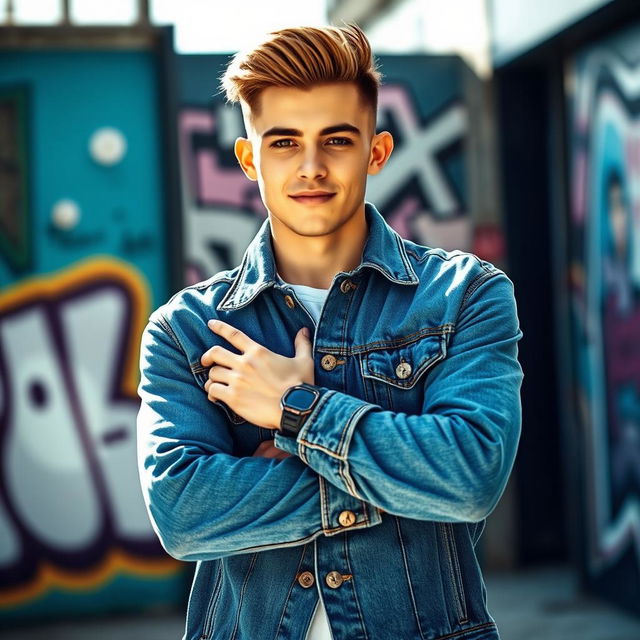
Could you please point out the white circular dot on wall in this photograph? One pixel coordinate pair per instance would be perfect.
(107, 146)
(65, 214)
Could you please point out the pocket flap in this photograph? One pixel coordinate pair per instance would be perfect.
(403, 365)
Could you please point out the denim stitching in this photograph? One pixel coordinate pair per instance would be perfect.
(282, 545)
(484, 625)
(319, 447)
(454, 577)
(230, 413)
(291, 586)
(311, 420)
(209, 615)
(201, 286)
(247, 301)
(336, 454)
(217, 599)
(418, 258)
(164, 324)
(208, 283)
(456, 566)
(244, 587)
(324, 504)
(405, 259)
(353, 585)
(365, 511)
(347, 432)
(234, 284)
(390, 406)
(406, 568)
(343, 471)
(359, 525)
(388, 275)
(475, 284)
(410, 382)
(446, 328)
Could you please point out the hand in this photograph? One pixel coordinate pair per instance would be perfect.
(252, 382)
(266, 449)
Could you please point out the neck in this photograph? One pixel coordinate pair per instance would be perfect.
(314, 260)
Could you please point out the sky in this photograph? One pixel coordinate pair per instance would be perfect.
(201, 26)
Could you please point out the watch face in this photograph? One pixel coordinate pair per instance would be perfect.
(300, 399)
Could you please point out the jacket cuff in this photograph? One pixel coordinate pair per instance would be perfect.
(324, 439)
(341, 512)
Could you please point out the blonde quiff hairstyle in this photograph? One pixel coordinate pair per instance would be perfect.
(300, 57)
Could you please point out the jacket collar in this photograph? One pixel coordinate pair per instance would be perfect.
(383, 251)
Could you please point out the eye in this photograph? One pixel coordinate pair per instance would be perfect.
(341, 141)
(277, 144)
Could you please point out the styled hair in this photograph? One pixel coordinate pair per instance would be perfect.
(300, 57)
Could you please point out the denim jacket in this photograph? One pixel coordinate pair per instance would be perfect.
(380, 507)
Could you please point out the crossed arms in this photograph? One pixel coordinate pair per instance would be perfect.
(451, 462)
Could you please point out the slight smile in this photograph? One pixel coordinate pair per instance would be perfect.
(319, 199)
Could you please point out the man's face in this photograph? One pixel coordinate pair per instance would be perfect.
(317, 140)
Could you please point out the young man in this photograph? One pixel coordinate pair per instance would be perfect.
(329, 484)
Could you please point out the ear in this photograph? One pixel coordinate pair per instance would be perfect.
(381, 148)
(244, 152)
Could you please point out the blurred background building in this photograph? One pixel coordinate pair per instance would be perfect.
(517, 137)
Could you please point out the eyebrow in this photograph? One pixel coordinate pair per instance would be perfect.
(334, 128)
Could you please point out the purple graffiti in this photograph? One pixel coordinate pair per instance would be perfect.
(69, 489)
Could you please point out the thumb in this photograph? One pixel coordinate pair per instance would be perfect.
(303, 342)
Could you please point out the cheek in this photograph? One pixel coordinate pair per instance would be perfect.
(350, 165)
(273, 172)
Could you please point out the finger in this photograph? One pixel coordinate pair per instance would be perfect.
(216, 377)
(219, 374)
(237, 338)
(303, 346)
(217, 391)
(218, 355)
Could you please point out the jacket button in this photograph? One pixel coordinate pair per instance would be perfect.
(306, 579)
(334, 579)
(346, 286)
(328, 362)
(289, 301)
(347, 518)
(403, 370)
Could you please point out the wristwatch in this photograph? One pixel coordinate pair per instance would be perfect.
(297, 403)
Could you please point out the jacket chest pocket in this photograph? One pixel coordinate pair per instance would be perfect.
(394, 375)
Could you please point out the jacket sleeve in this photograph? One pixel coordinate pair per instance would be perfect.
(204, 502)
(451, 462)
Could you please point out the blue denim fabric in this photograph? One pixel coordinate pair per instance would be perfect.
(415, 434)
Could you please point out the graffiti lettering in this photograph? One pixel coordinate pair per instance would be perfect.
(70, 492)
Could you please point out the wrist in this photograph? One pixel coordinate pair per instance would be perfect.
(297, 403)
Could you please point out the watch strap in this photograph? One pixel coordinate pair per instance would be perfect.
(293, 420)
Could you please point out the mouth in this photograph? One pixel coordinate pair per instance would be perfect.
(319, 199)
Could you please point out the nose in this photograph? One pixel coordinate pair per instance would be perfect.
(312, 167)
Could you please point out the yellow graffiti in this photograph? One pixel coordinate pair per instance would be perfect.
(91, 272)
(116, 562)
(51, 286)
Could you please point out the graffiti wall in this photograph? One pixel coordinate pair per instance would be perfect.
(421, 191)
(83, 260)
(604, 236)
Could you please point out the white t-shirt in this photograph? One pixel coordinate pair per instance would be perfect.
(313, 299)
